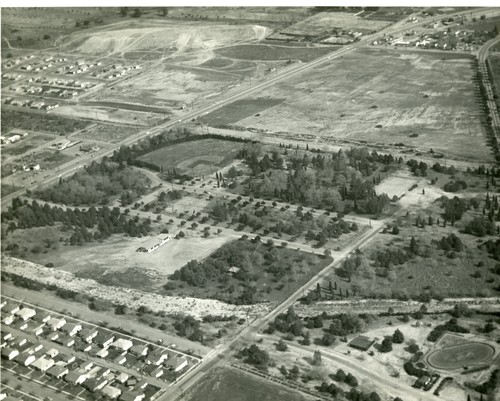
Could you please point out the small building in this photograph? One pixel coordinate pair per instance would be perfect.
(122, 344)
(111, 392)
(8, 320)
(176, 364)
(25, 313)
(52, 353)
(87, 365)
(65, 341)
(120, 359)
(43, 364)
(11, 308)
(233, 270)
(82, 346)
(55, 323)
(25, 359)
(157, 373)
(88, 334)
(42, 317)
(67, 359)
(122, 377)
(95, 384)
(362, 343)
(422, 381)
(58, 371)
(76, 377)
(35, 328)
(156, 357)
(71, 329)
(9, 353)
(103, 353)
(139, 350)
(104, 338)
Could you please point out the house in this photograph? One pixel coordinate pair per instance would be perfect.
(141, 385)
(25, 313)
(82, 346)
(58, 371)
(95, 384)
(67, 359)
(8, 320)
(111, 392)
(76, 377)
(176, 364)
(156, 357)
(25, 359)
(55, 323)
(122, 377)
(42, 317)
(104, 338)
(233, 270)
(86, 365)
(132, 396)
(11, 308)
(65, 341)
(35, 348)
(20, 325)
(9, 353)
(52, 353)
(53, 336)
(122, 344)
(35, 328)
(43, 364)
(139, 350)
(362, 343)
(156, 373)
(71, 328)
(102, 353)
(94, 371)
(120, 359)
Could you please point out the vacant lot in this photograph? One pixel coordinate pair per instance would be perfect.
(26, 144)
(39, 122)
(326, 21)
(238, 110)
(226, 383)
(107, 132)
(270, 52)
(396, 185)
(383, 96)
(195, 158)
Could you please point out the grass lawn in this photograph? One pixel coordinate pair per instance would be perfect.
(269, 52)
(196, 158)
(238, 110)
(225, 383)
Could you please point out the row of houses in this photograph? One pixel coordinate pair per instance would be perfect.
(32, 104)
(15, 137)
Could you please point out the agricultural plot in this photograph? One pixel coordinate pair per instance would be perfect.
(229, 384)
(197, 158)
(238, 110)
(383, 97)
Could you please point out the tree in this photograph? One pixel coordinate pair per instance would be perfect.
(351, 380)
(284, 370)
(340, 375)
(413, 246)
(398, 337)
(307, 338)
(123, 11)
(137, 13)
(317, 358)
(281, 346)
(327, 339)
(294, 373)
(386, 345)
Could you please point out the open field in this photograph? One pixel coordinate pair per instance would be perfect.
(458, 356)
(39, 122)
(273, 52)
(402, 93)
(324, 22)
(238, 110)
(224, 383)
(397, 184)
(195, 158)
(107, 132)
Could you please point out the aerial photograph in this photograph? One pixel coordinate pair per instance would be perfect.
(250, 202)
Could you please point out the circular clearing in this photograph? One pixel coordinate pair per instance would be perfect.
(460, 355)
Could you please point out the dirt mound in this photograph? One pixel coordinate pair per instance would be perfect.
(182, 38)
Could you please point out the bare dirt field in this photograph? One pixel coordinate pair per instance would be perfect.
(117, 262)
(202, 157)
(273, 52)
(401, 92)
(397, 184)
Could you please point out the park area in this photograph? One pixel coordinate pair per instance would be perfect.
(383, 97)
(195, 158)
(224, 383)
